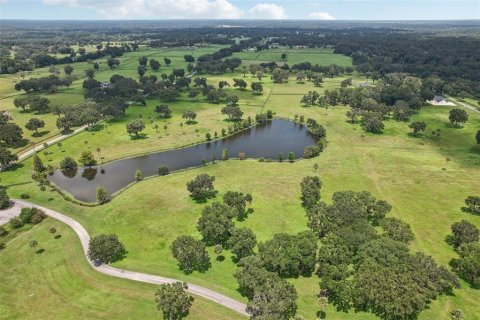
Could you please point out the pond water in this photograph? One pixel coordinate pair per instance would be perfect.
(266, 140)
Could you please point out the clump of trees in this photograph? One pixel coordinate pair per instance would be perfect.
(465, 240)
(106, 248)
(352, 264)
(472, 205)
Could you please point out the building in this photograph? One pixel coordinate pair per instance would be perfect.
(440, 101)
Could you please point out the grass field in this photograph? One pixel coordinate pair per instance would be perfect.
(413, 174)
(60, 284)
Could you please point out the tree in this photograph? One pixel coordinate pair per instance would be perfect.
(291, 157)
(135, 127)
(34, 124)
(188, 58)
(240, 83)
(68, 69)
(467, 266)
(232, 101)
(201, 187)
(242, 242)
(68, 163)
(222, 84)
(397, 230)
(463, 232)
(90, 73)
(163, 111)
(401, 111)
(208, 136)
(311, 151)
(6, 157)
(155, 65)
(106, 248)
(190, 116)
(257, 87)
(233, 113)
(102, 195)
(113, 63)
(372, 122)
(215, 223)
(33, 244)
(173, 301)
(477, 137)
(279, 75)
(224, 154)
(163, 171)
(290, 255)
(190, 254)
(10, 135)
(458, 116)
(310, 191)
(4, 198)
(310, 98)
(38, 164)
(141, 70)
(417, 126)
(167, 61)
(143, 61)
(52, 231)
(138, 175)
(456, 314)
(236, 200)
(275, 299)
(472, 205)
(87, 159)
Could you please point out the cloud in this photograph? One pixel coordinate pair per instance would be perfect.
(166, 9)
(267, 11)
(321, 16)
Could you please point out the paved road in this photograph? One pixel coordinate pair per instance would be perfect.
(137, 276)
(50, 142)
(465, 105)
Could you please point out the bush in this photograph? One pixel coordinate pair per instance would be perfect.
(106, 248)
(102, 195)
(16, 223)
(26, 214)
(25, 196)
(38, 217)
(311, 152)
(4, 199)
(2, 245)
(3, 231)
(163, 171)
(68, 164)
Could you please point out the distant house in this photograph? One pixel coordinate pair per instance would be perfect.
(440, 101)
(105, 85)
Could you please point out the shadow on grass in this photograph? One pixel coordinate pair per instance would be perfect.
(40, 251)
(58, 236)
(139, 136)
(40, 134)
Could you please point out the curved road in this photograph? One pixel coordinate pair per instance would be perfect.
(137, 276)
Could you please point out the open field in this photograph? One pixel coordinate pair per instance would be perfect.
(59, 283)
(413, 174)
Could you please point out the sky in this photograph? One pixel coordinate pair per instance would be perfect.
(240, 9)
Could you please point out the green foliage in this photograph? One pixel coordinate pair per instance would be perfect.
(4, 198)
(310, 190)
(190, 254)
(138, 175)
(163, 171)
(16, 223)
(237, 201)
(372, 122)
(201, 188)
(68, 163)
(38, 164)
(6, 157)
(215, 224)
(397, 230)
(290, 255)
(242, 242)
(225, 155)
(34, 124)
(463, 232)
(87, 159)
(472, 205)
(458, 116)
(173, 301)
(467, 266)
(135, 127)
(102, 195)
(417, 126)
(106, 248)
(311, 152)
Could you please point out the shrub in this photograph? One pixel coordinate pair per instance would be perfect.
(106, 248)
(26, 214)
(3, 231)
(38, 217)
(68, 164)
(311, 152)
(4, 199)
(2, 245)
(16, 223)
(25, 196)
(163, 171)
(102, 195)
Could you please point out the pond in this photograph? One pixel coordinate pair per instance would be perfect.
(265, 140)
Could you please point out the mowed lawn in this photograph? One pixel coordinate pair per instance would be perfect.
(59, 284)
(425, 179)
